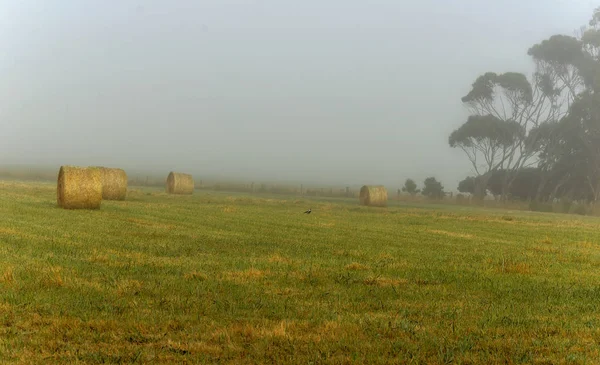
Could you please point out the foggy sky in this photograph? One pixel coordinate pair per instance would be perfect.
(332, 91)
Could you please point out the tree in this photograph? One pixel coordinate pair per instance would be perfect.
(550, 120)
(570, 148)
(467, 185)
(581, 142)
(410, 187)
(486, 138)
(433, 188)
(524, 186)
(512, 98)
(559, 62)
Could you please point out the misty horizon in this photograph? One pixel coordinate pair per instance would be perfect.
(335, 93)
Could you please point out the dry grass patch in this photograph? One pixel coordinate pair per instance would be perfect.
(284, 292)
(146, 223)
(98, 257)
(117, 258)
(276, 258)
(356, 254)
(452, 234)
(575, 258)
(291, 330)
(192, 348)
(334, 330)
(229, 209)
(325, 224)
(279, 330)
(386, 257)
(4, 231)
(5, 307)
(510, 266)
(52, 277)
(8, 231)
(129, 287)
(276, 201)
(587, 245)
(546, 249)
(355, 266)
(84, 283)
(242, 277)
(383, 281)
(326, 207)
(195, 275)
(8, 276)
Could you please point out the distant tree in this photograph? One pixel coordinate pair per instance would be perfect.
(524, 186)
(580, 152)
(500, 101)
(433, 188)
(561, 69)
(570, 149)
(526, 183)
(467, 185)
(410, 187)
(538, 137)
(487, 138)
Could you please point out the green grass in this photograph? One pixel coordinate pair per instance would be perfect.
(242, 279)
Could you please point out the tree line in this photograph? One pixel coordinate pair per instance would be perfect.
(537, 137)
(431, 188)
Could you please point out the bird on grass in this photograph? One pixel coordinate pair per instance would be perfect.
(308, 211)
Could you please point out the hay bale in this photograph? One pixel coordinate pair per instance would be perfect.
(114, 183)
(373, 195)
(178, 183)
(79, 187)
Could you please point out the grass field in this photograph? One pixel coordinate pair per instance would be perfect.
(244, 279)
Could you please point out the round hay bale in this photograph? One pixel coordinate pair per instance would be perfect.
(79, 187)
(114, 183)
(178, 183)
(373, 195)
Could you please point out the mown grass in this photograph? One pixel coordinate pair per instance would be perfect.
(240, 279)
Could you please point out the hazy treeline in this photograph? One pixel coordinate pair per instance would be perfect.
(537, 138)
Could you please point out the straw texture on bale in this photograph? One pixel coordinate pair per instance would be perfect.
(79, 187)
(114, 183)
(178, 183)
(373, 195)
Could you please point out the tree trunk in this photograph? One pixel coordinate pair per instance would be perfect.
(507, 181)
(597, 191)
(481, 184)
(558, 186)
(541, 186)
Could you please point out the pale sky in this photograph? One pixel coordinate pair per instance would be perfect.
(332, 91)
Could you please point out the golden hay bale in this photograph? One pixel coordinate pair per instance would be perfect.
(79, 187)
(114, 183)
(373, 195)
(178, 183)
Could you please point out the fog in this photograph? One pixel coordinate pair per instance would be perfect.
(330, 91)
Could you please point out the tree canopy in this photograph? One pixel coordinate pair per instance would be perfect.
(433, 188)
(539, 136)
(410, 187)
